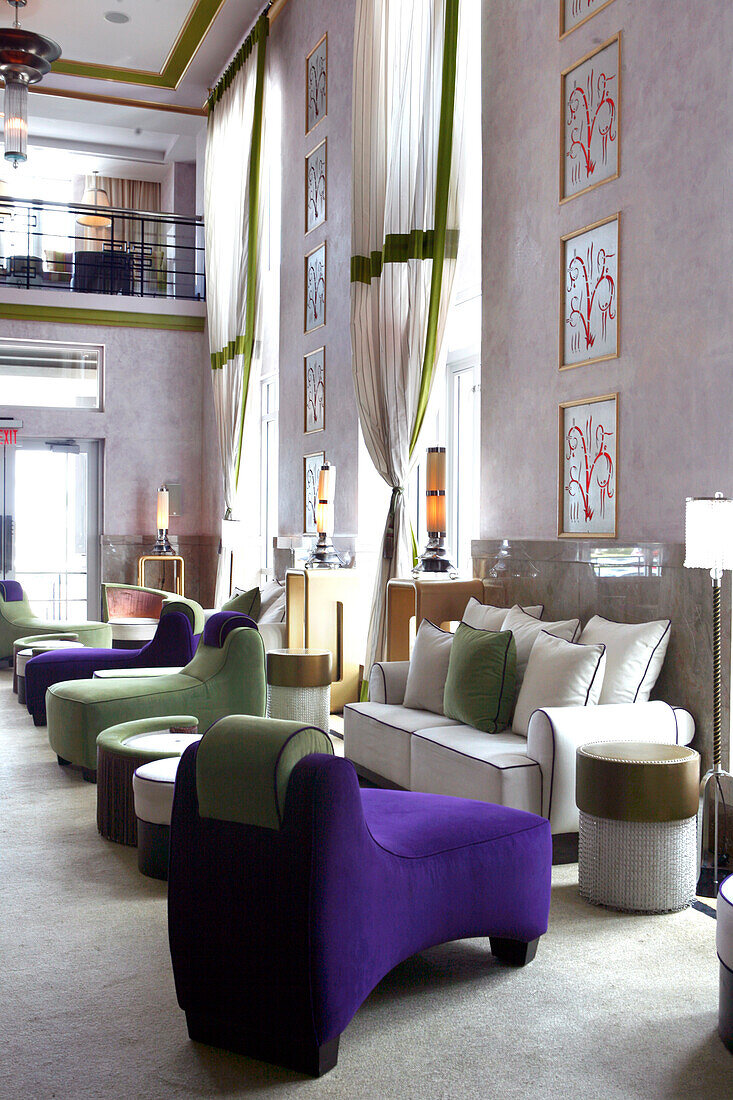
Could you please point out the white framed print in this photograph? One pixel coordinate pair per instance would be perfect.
(311, 472)
(587, 468)
(315, 187)
(316, 84)
(590, 105)
(589, 294)
(574, 13)
(314, 390)
(315, 289)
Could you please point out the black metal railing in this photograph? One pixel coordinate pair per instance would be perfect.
(43, 244)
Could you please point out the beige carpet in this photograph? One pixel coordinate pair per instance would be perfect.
(614, 1006)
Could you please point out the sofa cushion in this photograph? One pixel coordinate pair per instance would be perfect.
(247, 603)
(377, 737)
(559, 674)
(479, 688)
(525, 629)
(428, 668)
(634, 656)
(272, 603)
(461, 760)
(485, 616)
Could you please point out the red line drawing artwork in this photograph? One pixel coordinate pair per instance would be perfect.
(315, 290)
(591, 120)
(317, 78)
(316, 187)
(591, 296)
(579, 11)
(589, 470)
(315, 391)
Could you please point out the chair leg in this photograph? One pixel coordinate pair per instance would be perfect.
(89, 775)
(303, 1057)
(63, 763)
(39, 720)
(513, 952)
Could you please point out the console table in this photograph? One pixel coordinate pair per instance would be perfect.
(178, 570)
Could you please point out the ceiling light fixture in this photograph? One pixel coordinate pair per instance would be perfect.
(25, 58)
(116, 17)
(95, 196)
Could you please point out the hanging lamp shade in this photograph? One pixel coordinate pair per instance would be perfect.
(98, 197)
(25, 58)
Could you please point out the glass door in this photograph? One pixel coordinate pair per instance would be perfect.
(50, 532)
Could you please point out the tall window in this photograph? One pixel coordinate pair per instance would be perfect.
(268, 470)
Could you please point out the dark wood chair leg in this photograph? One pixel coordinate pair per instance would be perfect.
(303, 1057)
(89, 775)
(63, 763)
(513, 952)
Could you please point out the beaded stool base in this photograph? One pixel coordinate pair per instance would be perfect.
(309, 705)
(637, 866)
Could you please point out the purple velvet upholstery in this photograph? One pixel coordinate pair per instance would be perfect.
(277, 937)
(172, 644)
(221, 624)
(11, 591)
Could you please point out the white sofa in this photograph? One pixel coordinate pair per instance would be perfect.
(423, 751)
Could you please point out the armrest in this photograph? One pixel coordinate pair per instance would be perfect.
(387, 682)
(555, 734)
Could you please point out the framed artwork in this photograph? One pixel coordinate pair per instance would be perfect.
(311, 471)
(588, 470)
(315, 288)
(589, 289)
(314, 390)
(590, 95)
(315, 187)
(316, 84)
(574, 13)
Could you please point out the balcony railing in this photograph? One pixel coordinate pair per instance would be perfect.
(43, 245)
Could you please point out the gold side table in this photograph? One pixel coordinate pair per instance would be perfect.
(178, 570)
(440, 601)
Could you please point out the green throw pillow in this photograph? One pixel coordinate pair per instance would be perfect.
(479, 688)
(248, 603)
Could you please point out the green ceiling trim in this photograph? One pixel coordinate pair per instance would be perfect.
(180, 57)
(72, 315)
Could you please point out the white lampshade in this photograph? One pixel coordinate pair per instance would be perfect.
(324, 500)
(163, 509)
(709, 533)
(95, 196)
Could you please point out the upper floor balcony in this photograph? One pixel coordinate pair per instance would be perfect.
(72, 247)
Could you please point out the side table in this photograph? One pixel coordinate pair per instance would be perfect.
(299, 685)
(179, 570)
(637, 846)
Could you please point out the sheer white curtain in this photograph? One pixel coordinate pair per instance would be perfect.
(409, 80)
(234, 215)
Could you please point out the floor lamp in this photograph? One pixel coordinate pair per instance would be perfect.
(709, 545)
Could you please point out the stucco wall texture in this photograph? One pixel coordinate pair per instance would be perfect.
(294, 34)
(676, 294)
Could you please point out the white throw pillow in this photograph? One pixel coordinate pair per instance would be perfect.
(274, 611)
(272, 591)
(634, 656)
(428, 668)
(559, 674)
(485, 616)
(525, 629)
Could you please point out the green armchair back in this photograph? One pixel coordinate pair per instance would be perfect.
(133, 600)
(17, 620)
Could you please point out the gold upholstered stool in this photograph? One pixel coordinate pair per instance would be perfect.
(299, 685)
(638, 806)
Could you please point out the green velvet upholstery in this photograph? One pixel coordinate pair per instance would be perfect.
(216, 682)
(247, 603)
(17, 620)
(171, 602)
(243, 767)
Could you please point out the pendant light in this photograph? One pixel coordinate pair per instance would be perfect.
(95, 196)
(25, 58)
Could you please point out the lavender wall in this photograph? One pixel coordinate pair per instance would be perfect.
(294, 34)
(673, 375)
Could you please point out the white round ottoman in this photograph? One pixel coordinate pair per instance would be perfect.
(724, 945)
(153, 785)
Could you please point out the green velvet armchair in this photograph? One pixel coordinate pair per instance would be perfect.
(17, 620)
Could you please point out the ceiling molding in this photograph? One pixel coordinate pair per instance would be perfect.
(69, 315)
(182, 52)
(118, 101)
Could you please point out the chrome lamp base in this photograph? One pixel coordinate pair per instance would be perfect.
(324, 555)
(162, 546)
(434, 559)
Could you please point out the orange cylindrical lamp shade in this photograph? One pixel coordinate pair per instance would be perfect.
(162, 508)
(435, 491)
(324, 500)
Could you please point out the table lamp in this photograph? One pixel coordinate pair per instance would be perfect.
(323, 555)
(434, 559)
(709, 545)
(162, 545)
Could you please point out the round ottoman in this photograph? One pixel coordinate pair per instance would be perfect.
(132, 632)
(299, 685)
(27, 642)
(35, 647)
(123, 748)
(724, 945)
(637, 847)
(153, 786)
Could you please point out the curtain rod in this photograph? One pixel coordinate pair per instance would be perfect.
(270, 11)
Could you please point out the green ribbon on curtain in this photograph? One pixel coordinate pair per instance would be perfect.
(418, 244)
(243, 343)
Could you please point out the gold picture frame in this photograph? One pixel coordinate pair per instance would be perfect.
(616, 121)
(311, 469)
(307, 190)
(320, 78)
(581, 22)
(588, 484)
(611, 296)
(314, 391)
(314, 289)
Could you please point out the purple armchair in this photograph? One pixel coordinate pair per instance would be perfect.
(172, 644)
(279, 932)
